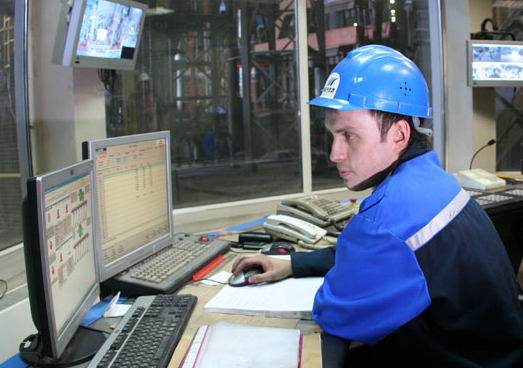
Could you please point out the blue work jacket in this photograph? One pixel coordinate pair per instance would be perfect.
(420, 272)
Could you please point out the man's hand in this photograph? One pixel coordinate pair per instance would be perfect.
(274, 269)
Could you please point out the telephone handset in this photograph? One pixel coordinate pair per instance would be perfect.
(317, 210)
(293, 229)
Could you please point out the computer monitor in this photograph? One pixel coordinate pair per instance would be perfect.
(495, 63)
(60, 266)
(133, 199)
(103, 34)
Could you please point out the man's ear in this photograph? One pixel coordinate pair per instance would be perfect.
(401, 133)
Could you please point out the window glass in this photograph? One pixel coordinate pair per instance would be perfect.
(221, 77)
(10, 187)
(337, 27)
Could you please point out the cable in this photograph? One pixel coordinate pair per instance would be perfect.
(245, 251)
(489, 143)
(330, 241)
(108, 78)
(5, 286)
(210, 280)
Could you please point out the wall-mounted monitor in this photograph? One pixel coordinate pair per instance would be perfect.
(60, 266)
(495, 63)
(102, 34)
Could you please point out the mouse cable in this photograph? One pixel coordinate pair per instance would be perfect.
(210, 280)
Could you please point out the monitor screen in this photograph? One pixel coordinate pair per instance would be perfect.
(59, 253)
(495, 63)
(133, 198)
(102, 34)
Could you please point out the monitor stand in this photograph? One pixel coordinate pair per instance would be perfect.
(82, 347)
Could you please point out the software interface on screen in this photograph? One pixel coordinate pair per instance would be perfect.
(133, 199)
(109, 30)
(497, 62)
(70, 251)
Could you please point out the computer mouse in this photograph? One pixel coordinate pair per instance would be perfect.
(277, 248)
(242, 278)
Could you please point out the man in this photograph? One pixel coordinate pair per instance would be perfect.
(420, 275)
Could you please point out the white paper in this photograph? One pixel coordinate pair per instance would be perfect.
(289, 298)
(116, 310)
(229, 345)
(218, 279)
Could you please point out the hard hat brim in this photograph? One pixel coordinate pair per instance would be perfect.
(370, 104)
(333, 103)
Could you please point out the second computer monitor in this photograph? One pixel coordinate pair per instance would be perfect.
(133, 195)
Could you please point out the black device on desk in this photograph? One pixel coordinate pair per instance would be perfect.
(133, 215)
(60, 266)
(148, 333)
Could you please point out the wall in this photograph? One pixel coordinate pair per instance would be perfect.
(51, 97)
(89, 107)
(483, 99)
(458, 96)
(66, 104)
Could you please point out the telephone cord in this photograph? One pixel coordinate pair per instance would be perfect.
(329, 241)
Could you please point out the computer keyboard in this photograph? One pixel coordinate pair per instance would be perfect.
(169, 269)
(148, 333)
(489, 199)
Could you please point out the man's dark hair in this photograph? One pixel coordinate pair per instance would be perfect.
(386, 119)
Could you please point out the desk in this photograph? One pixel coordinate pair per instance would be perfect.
(311, 350)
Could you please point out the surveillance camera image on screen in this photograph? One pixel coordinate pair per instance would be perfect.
(497, 61)
(109, 30)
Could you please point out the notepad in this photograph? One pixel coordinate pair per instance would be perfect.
(225, 345)
(289, 298)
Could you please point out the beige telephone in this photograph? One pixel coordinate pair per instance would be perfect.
(317, 210)
(479, 179)
(293, 229)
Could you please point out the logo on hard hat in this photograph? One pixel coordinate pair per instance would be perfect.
(331, 86)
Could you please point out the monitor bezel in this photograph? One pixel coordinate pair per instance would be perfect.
(70, 57)
(105, 272)
(490, 82)
(38, 276)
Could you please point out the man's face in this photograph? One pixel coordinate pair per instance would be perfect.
(357, 148)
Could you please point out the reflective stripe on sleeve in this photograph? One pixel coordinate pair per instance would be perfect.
(439, 221)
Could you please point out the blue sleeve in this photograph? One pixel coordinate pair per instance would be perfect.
(316, 263)
(375, 286)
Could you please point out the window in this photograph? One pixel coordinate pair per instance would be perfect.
(10, 183)
(221, 76)
(345, 25)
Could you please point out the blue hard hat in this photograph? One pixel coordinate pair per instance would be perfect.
(376, 77)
